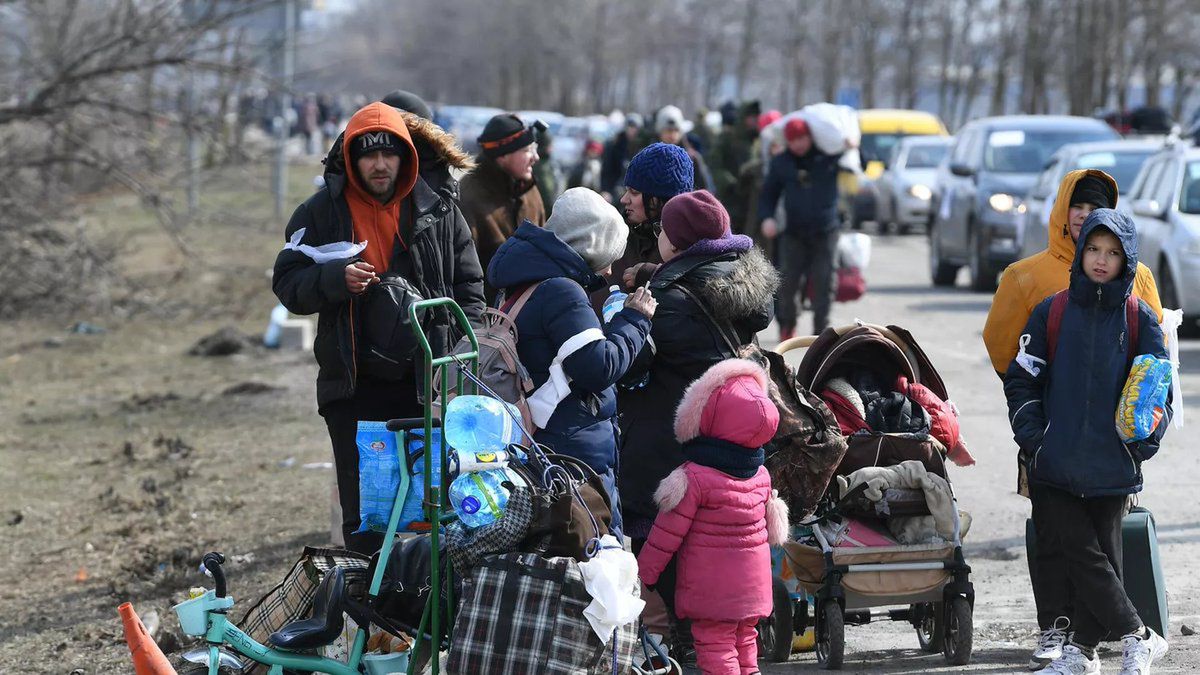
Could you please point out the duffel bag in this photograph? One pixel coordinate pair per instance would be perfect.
(292, 599)
(571, 510)
(522, 613)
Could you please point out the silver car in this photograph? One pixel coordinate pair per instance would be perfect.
(905, 190)
(1120, 159)
(1165, 205)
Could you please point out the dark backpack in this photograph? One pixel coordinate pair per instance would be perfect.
(1054, 323)
(388, 345)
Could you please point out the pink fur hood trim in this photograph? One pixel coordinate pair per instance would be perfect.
(691, 407)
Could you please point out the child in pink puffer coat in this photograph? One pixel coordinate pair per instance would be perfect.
(718, 516)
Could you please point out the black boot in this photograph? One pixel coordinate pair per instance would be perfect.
(683, 648)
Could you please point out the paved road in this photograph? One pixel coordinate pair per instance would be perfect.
(947, 323)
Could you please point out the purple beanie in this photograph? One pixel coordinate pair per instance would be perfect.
(693, 216)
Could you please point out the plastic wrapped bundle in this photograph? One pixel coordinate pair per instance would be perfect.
(1144, 398)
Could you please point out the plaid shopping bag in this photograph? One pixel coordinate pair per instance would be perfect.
(292, 599)
(467, 547)
(522, 613)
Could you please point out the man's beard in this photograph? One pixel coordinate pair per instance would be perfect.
(382, 195)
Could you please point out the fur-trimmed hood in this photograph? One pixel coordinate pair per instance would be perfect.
(752, 282)
(729, 401)
(437, 149)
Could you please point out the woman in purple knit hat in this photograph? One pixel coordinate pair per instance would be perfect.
(715, 291)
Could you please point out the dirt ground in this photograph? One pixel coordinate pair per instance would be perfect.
(124, 458)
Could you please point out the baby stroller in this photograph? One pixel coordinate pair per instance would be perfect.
(925, 584)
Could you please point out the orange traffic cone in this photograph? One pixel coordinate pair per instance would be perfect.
(148, 659)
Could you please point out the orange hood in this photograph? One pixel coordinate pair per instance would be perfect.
(380, 117)
(375, 223)
(1061, 245)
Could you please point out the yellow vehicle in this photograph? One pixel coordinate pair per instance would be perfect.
(881, 130)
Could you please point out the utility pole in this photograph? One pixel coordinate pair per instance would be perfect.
(283, 130)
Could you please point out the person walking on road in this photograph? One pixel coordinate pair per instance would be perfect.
(501, 192)
(733, 148)
(807, 180)
(715, 292)
(404, 230)
(718, 517)
(1023, 286)
(1063, 389)
(557, 266)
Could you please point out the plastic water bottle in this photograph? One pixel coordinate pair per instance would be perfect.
(462, 461)
(479, 498)
(481, 424)
(614, 303)
(275, 327)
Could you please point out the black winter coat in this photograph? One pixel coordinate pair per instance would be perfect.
(738, 289)
(440, 261)
(809, 188)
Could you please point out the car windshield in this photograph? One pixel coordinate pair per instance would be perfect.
(877, 147)
(1018, 151)
(925, 156)
(1123, 166)
(1189, 196)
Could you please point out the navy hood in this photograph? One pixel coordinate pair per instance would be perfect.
(1113, 293)
(534, 254)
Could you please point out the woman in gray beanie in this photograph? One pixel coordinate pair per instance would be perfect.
(545, 275)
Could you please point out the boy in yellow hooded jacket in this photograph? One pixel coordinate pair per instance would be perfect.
(1027, 282)
(1024, 285)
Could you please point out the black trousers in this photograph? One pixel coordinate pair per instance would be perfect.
(372, 401)
(1087, 534)
(1052, 589)
(805, 259)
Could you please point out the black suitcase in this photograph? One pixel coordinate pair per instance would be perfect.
(1141, 566)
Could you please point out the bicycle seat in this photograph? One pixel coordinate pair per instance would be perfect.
(326, 622)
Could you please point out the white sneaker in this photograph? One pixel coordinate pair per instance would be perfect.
(1073, 662)
(1050, 644)
(1140, 652)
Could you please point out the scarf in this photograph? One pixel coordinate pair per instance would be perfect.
(730, 458)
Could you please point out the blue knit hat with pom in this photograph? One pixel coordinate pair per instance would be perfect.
(660, 170)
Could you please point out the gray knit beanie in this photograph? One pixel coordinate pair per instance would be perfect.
(590, 226)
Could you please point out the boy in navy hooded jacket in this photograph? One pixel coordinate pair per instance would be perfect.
(1062, 408)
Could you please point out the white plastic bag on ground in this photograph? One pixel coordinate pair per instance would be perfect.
(1172, 320)
(854, 250)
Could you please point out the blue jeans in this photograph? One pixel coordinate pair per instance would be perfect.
(609, 479)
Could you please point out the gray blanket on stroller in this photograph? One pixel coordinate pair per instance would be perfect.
(911, 474)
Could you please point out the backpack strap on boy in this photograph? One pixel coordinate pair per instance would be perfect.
(1054, 322)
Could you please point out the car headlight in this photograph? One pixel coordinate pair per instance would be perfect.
(921, 192)
(1002, 203)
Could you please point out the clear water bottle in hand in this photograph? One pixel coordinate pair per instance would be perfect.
(481, 424)
(614, 303)
(479, 498)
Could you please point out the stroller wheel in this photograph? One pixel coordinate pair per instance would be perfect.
(831, 636)
(931, 626)
(775, 631)
(958, 632)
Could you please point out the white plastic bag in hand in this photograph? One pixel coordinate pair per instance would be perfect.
(1172, 320)
(854, 250)
(325, 252)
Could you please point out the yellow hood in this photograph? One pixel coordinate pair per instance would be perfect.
(1061, 245)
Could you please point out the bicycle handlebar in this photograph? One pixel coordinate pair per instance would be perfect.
(212, 562)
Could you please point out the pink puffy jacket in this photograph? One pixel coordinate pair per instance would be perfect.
(717, 528)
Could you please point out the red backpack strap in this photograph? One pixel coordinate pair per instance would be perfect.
(1132, 324)
(1057, 306)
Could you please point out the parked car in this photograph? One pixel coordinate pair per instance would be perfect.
(992, 165)
(1165, 204)
(905, 189)
(466, 122)
(881, 130)
(1120, 159)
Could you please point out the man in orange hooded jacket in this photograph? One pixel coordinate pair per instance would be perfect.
(405, 229)
(1024, 285)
